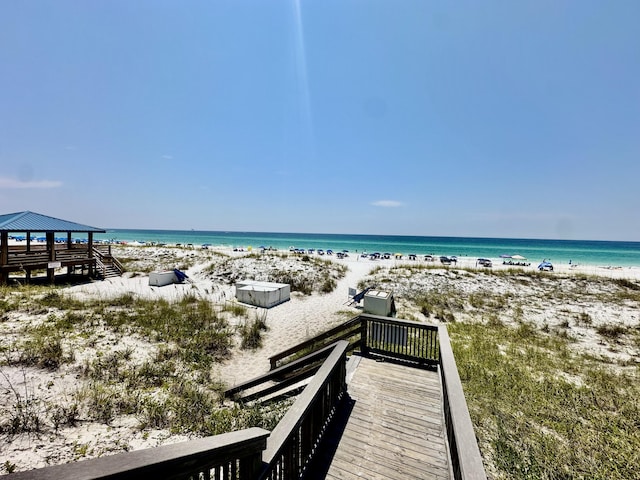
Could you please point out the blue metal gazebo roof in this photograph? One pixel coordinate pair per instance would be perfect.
(36, 222)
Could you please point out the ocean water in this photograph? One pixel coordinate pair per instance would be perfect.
(581, 252)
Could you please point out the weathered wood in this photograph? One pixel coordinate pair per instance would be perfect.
(395, 428)
(283, 371)
(465, 454)
(310, 413)
(236, 451)
(316, 341)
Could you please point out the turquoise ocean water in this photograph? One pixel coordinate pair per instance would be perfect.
(582, 252)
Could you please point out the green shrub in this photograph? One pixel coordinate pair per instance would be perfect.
(250, 333)
(44, 352)
(235, 309)
(328, 286)
(611, 331)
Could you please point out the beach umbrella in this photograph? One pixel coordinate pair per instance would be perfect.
(518, 257)
(505, 256)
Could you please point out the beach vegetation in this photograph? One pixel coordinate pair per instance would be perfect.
(9, 467)
(234, 308)
(328, 285)
(611, 331)
(584, 319)
(44, 351)
(64, 415)
(304, 274)
(251, 331)
(542, 410)
(626, 283)
(23, 413)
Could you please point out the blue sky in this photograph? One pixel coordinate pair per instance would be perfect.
(495, 119)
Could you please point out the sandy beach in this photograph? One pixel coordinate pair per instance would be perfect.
(288, 323)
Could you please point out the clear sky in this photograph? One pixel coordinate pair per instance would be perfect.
(465, 118)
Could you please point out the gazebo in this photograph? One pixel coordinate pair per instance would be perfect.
(28, 252)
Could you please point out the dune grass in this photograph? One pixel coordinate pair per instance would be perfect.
(544, 405)
(541, 410)
(304, 274)
(169, 387)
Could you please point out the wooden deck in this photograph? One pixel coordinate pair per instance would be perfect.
(391, 426)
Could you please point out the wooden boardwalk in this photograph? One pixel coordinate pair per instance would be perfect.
(389, 427)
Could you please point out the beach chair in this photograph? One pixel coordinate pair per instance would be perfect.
(357, 298)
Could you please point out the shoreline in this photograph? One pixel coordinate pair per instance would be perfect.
(468, 262)
(463, 261)
(589, 253)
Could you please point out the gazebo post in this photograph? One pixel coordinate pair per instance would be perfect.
(92, 265)
(51, 248)
(4, 256)
(69, 267)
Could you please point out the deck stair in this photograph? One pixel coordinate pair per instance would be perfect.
(107, 266)
(110, 271)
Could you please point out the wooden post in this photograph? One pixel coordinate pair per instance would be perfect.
(4, 256)
(92, 265)
(363, 336)
(51, 248)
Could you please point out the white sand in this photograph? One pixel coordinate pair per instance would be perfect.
(289, 323)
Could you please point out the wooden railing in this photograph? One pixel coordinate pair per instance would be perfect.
(373, 334)
(27, 259)
(102, 254)
(290, 374)
(466, 461)
(349, 330)
(232, 456)
(296, 437)
(39, 256)
(400, 339)
(422, 345)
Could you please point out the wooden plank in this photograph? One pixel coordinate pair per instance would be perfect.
(395, 428)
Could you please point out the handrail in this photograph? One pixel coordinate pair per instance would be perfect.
(103, 258)
(296, 437)
(317, 341)
(463, 447)
(300, 365)
(233, 456)
(118, 265)
(400, 339)
(420, 344)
